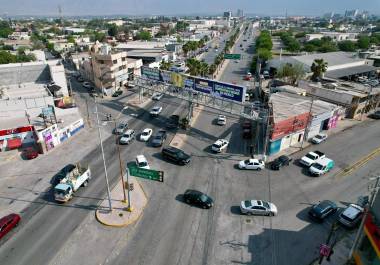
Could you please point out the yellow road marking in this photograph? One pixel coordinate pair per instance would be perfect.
(358, 163)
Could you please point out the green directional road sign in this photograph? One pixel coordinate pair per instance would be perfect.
(147, 173)
(233, 56)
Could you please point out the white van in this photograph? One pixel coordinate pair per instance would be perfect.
(141, 162)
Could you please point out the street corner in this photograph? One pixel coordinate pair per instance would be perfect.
(121, 215)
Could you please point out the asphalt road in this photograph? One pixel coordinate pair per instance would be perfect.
(219, 42)
(171, 232)
(47, 225)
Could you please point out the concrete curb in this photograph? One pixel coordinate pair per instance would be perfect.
(120, 216)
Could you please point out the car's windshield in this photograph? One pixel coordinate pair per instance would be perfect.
(318, 166)
(319, 136)
(310, 156)
(246, 161)
(145, 133)
(266, 205)
(216, 145)
(143, 164)
(247, 204)
(203, 198)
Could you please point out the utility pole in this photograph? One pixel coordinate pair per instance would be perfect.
(308, 123)
(359, 234)
(104, 161)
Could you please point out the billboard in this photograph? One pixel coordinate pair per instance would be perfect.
(207, 86)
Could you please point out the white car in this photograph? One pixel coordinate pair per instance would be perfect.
(155, 111)
(219, 145)
(255, 164)
(351, 216)
(121, 128)
(127, 137)
(221, 120)
(319, 138)
(86, 84)
(141, 162)
(157, 96)
(146, 134)
(258, 207)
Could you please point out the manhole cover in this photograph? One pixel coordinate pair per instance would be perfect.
(248, 221)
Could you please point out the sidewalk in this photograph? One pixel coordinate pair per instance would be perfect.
(120, 215)
(341, 252)
(342, 125)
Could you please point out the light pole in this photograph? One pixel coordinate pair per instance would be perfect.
(104, 161)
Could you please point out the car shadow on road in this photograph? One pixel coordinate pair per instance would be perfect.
(235, 210)
(303, 215)
(180, 198)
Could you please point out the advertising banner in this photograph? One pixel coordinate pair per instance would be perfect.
(229, 91)
(150, 73)
(204, 85)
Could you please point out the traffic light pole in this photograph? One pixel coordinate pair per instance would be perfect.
(129, 209)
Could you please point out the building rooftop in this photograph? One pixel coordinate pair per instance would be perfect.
(137, 45)
(287, 105)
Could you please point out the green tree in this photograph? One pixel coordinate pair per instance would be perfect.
(363, 42)
(70, 39)
(318, 67)
(5, 29)
(291, 73)
(144, 35)
(164, 65)
(6, 57)
(347, 46)
(264, 54)
(112, 29)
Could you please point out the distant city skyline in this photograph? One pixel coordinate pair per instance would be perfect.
(181, 7)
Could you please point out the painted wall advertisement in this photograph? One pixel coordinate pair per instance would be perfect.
(207, 86)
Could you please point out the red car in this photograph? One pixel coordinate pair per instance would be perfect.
(7, 223)
(30, 153)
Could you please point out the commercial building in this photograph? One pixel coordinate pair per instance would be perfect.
(70, 30)
(357, 99)
(297, 118)
(367, 251)
(335, 36)
(227, 14)
(340, 65)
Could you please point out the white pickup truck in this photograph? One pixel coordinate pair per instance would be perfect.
(310, 158)
(77, 177)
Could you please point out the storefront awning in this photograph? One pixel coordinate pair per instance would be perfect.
(14, 143)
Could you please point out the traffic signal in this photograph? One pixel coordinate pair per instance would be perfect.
(131, 186)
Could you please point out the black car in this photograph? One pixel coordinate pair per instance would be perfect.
(159, 138)
(117, 93)
(176, 155)
(322, 210)
(375, 115)
(173, 122)
(280, 162)
(198, 198)
(62, 174)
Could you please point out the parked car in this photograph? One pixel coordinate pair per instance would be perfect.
(176, 155)
(127, 137)
(321, 166)
(86, 84)
(280, 162)
(219, 145)
(319, 138)
(351, 216)
(121, 128)
(157, 96)
(117, 93)
(375, 115)
(311, 157)
(258, 207)
(159, 138)
(146, 134)
(221, 120)
(198, 198)
(8, 222)
(173, 122)
(255, 164)
(29, 153)
(322, 210)
(141, 162)
(155, 111)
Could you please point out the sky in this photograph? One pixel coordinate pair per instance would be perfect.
(183, 7)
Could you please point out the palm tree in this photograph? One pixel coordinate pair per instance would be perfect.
(212, 69)
(193, 65)
(319, 67)
(165, 65)
(203, 68)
